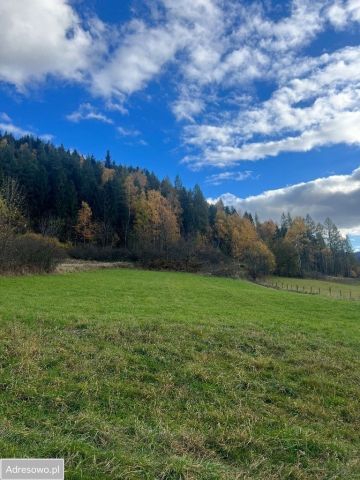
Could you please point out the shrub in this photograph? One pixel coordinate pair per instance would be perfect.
(31, 253)
(100, 254)
(189, 257)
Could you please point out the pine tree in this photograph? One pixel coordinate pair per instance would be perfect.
(108, 161)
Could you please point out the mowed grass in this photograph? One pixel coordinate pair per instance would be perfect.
(144, 375)
(340, 288)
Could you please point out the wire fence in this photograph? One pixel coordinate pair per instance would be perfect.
(334, 292)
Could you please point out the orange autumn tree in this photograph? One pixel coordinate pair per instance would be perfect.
(85, 227)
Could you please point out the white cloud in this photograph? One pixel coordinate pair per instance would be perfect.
(345, 128)
(219, 178)
(132, 137)
(318, 106)
(40, 38)
(47, 137)
(337, 197)
(117, 106)
(341, 13)
(86, 111)
(187, 108)
(5, 117)
(137, 60)
(125, 132)
(144, 49)
(213, 52)
(8, 126)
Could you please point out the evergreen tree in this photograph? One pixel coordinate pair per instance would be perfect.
(108, 161)
(60, 188)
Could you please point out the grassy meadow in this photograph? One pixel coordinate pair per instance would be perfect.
(145, 375)
(340, 288)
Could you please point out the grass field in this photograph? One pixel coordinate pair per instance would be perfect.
(143, 375)
(345, 289)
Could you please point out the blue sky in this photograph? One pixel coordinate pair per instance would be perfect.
(257, 101)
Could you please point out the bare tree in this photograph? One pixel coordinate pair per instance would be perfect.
(12, 220)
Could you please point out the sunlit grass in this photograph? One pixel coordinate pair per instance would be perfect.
(144, 375)
(345, 289)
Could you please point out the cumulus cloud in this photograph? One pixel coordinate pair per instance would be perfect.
(319, 105)
(86, 111)
(139, 58)
(40, 38)
(342, 12)
(345, 128)
(213, 52)
(144, 48)
(337, 197)
(187, 108)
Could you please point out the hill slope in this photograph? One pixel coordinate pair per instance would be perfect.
(142, 375)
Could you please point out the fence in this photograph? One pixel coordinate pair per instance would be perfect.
(339, 293)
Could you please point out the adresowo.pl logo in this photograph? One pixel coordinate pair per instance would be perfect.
(32, 469)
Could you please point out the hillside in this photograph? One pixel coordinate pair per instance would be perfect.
(142, 375)
(116, 212)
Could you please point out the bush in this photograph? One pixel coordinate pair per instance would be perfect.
(189, 257)
(100, 254)
(30, 253)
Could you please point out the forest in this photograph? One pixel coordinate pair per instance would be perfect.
(54, 199)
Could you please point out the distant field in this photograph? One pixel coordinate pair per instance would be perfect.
(144, 375)
(337, 288)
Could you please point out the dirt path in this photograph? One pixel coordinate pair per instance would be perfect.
(70, 266)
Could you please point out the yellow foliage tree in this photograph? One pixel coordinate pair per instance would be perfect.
(267, 231)
(258, 258)
(221, 228)
(11, 207)
(107, 175)
(297, 237)
(242, 234)
(239, 238)
(156, 224)
(135, 184)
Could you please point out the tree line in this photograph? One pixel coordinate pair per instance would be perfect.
(97, 206)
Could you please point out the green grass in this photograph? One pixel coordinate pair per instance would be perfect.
(340, 288)
(144, 375)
